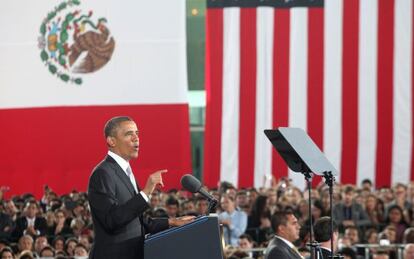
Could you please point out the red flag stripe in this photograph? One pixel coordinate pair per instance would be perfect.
(385, 92)
(350, 92)
(214, 80)
(281, 50)
(315, 77)
(247, 96)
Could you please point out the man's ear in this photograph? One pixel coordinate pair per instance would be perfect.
(110, 141)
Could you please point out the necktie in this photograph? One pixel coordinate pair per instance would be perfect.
(132, 178)
(297, 252)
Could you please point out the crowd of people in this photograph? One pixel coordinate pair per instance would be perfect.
(61, 226)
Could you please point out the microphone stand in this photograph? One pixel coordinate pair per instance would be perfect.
(212, 204)
(329, 180)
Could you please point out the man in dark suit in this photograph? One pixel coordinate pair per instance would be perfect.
(322, 231)
(348, 212)
(117, 203)
(286, 227)
(29, 223)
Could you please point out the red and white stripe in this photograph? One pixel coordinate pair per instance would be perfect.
(52, 132)
(342, 72)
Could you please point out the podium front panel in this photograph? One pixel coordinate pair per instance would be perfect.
(199, 239)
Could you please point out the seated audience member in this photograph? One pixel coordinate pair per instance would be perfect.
(201, 205)
(375, 215)
(58, 243)
(70, 246)
(322, 232)
(11, 210)
(25, 243)
(395, 218)
(246, 243)
(77, 225)
(30, 223)
(348, 212)
(286, 227)
(3, 243)
(172, 206)
(6, 226)
(80, 251)
(60, 226)
(188, 207)
(40, 243)
(408, 236)
(234, 221)
(47, 252)
(26, 255)
(409, 251)
(258, 222)
(7, 253)
(352, 234)
(242, 201)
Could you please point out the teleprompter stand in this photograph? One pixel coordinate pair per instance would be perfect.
(302, 155)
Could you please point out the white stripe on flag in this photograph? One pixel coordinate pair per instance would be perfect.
(333, 82)
(264, 90)
(402, 141)
(231, 92)
(298, 61)
(367, 90)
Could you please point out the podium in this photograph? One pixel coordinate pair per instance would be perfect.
(199, 239)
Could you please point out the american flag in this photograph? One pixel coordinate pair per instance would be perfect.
(340, 69)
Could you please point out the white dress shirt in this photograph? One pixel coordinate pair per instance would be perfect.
(125, 166)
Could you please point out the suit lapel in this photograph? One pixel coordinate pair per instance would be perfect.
(121, 174)
(288, 248)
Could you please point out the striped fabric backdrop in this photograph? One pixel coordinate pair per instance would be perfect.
(341, 70)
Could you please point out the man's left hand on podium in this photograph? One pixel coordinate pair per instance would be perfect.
(176, 222)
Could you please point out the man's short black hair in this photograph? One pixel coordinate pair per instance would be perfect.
(280, 218)
(113, 124)
(322, 229)
(171, 200)
(368, 181)
(246, 236)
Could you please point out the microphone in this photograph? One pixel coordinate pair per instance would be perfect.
(193, 185)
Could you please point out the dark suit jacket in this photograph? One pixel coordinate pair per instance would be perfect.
(21, 225)
(359, 216)
(278, 249)
(117, 214)
(325, 253)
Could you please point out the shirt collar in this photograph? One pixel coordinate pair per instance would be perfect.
(286, 241)
(119, 160)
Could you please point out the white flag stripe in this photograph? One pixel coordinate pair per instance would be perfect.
(298, 65)
(367, 90)
(231, 96)
(401, 160)
(264, 96)
(143, 52)
(333, 82)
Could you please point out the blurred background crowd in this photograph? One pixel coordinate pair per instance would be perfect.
(61, 226)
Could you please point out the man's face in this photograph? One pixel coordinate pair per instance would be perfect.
(352, 234)
(202, 207)
(348, 198)
(31, 210)
(290, 231)
(125, 143)
(409, 252)
(40, 243)
(25, 244)
(245, 244)
(172, 210)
